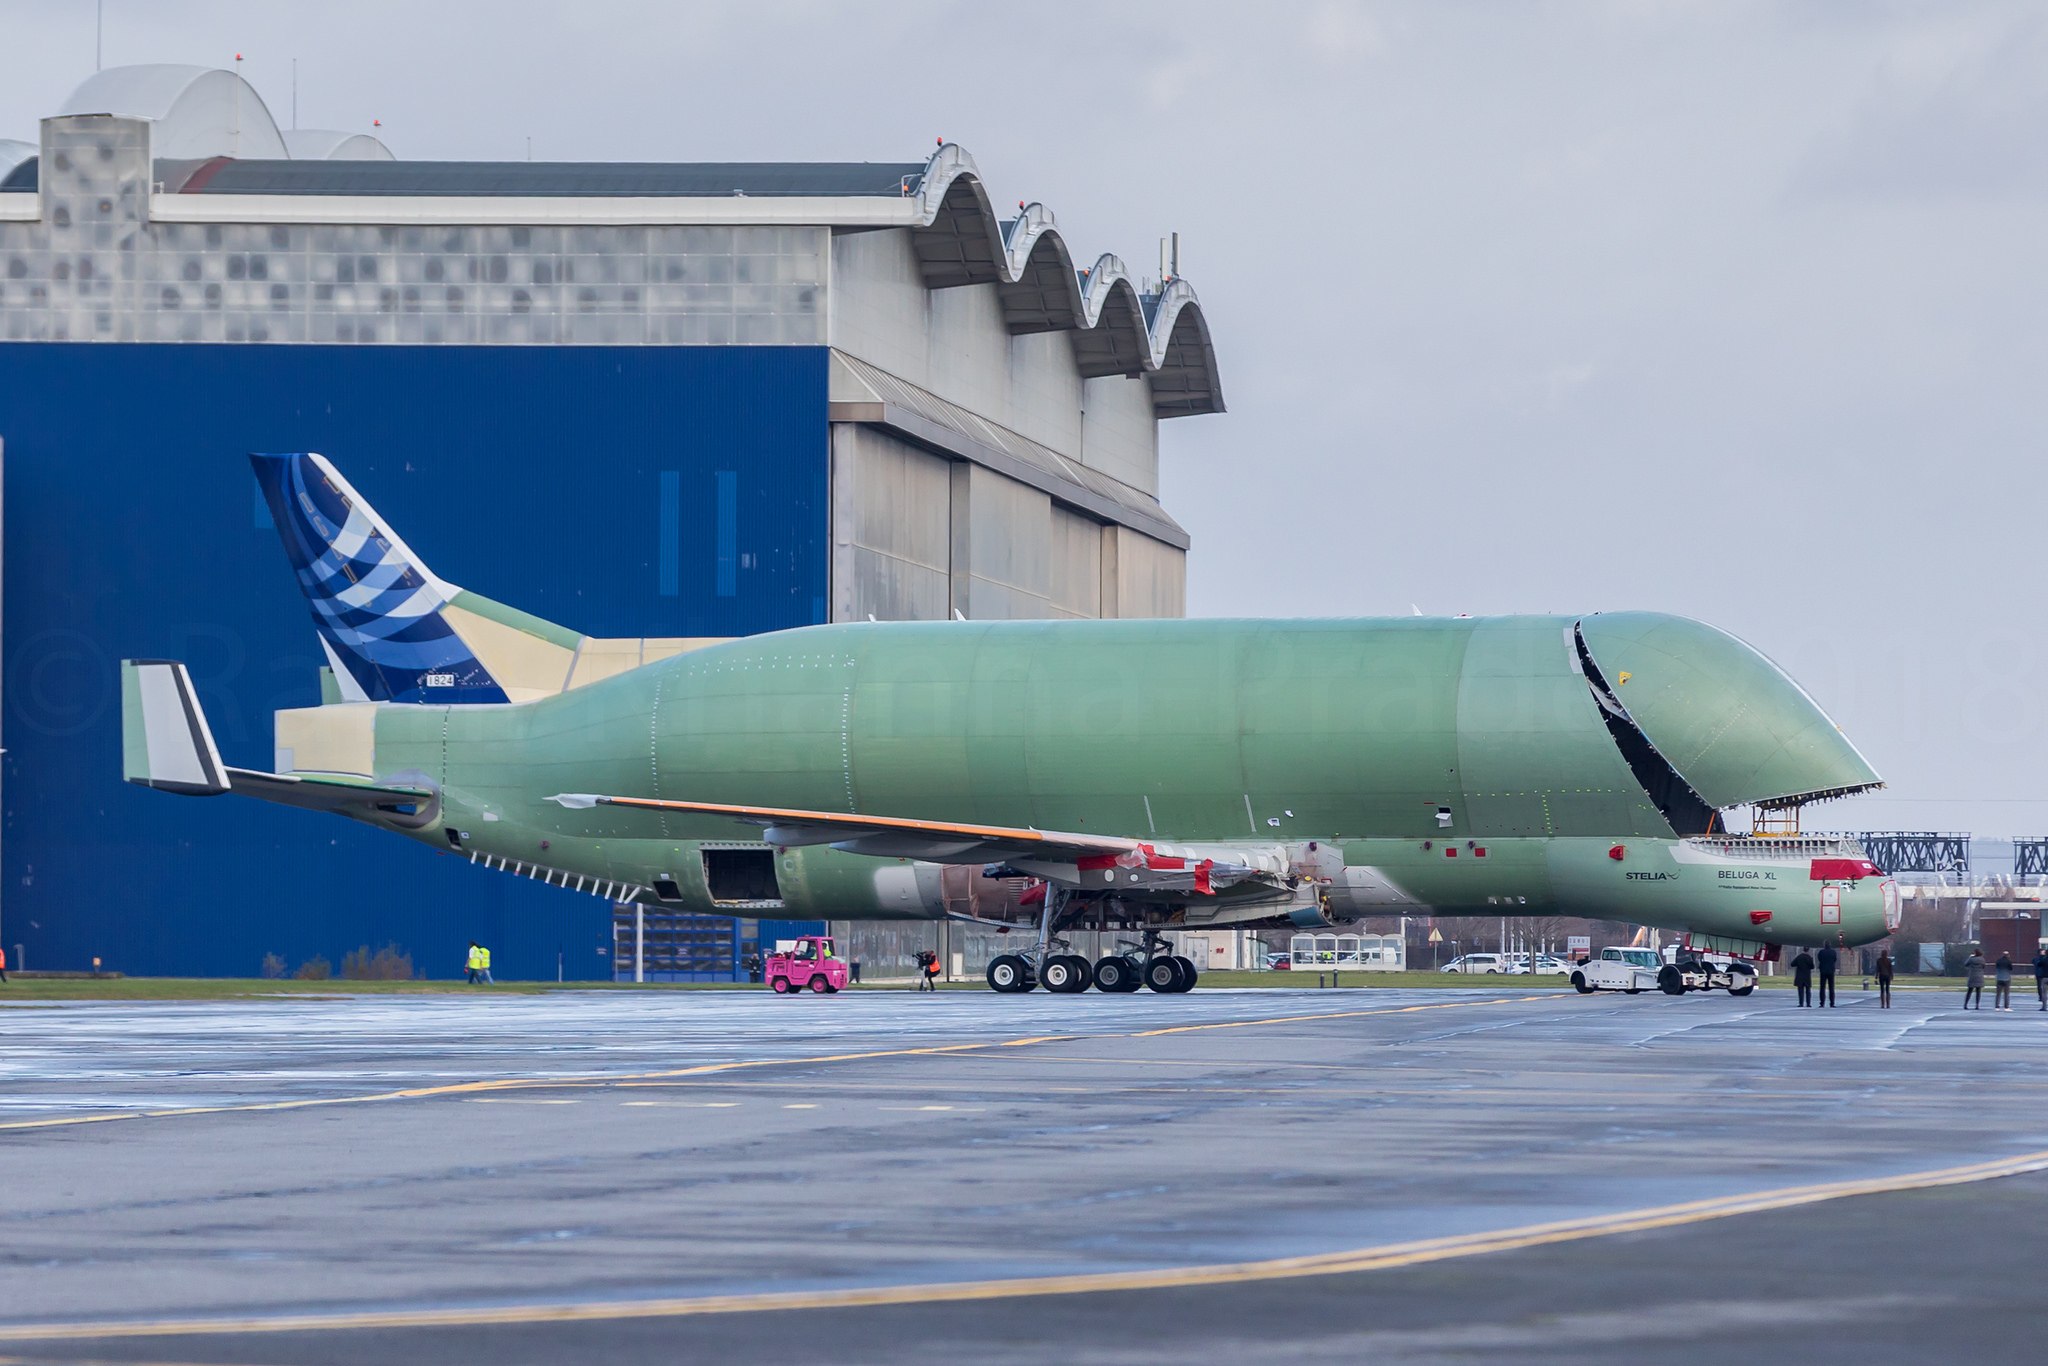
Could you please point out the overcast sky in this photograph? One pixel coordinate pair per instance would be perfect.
(1729, 309)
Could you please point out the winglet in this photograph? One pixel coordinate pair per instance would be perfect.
(165, 741)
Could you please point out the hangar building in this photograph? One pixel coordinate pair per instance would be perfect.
(640, 399)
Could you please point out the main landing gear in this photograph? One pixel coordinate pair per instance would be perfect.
(1144, 963)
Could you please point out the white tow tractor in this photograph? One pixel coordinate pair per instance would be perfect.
(1617, 969)
(1691, 970)
(1638, 970)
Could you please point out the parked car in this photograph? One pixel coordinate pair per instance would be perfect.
(1476, 962)
(1545, 965)
(1279, 960)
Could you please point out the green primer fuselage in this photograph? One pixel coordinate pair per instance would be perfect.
(1410, 744)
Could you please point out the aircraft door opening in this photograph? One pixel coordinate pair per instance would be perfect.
(742, 876)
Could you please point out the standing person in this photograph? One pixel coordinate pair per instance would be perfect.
(483, 965)
(3, 963)
(931, 971)
(2001, 976)
(1884, 980)
(1973, 980)
(2041, 976)
(1802, 977)
(469, 966)
(1829, 961)
(924, 962)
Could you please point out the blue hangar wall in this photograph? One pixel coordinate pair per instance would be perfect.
(620, 491)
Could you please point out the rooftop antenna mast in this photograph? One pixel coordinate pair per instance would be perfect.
(99, 34)
(295, 94)
(1169, 260)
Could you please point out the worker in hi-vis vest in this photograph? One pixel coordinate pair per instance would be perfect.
(472, 964)
(483, 964)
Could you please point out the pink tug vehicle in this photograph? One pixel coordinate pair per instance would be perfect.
(806, 963)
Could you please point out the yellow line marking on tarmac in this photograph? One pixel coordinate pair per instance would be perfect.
(465, 1088)
(1385, 1257)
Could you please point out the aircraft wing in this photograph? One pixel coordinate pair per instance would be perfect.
(887, 836)
(1062, 856)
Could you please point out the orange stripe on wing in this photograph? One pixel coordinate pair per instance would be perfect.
(849, 819)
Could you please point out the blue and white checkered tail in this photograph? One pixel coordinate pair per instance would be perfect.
(381, 613)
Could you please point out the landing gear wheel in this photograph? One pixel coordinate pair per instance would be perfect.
(781, 986)
(1010, 974)
(1187, 972)
(1580, 985)
(1163, 974)
(1116, 974)
(1066, 974)
(1670, 980)
(819, 986)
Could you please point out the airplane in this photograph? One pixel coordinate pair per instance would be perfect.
(1147, 776)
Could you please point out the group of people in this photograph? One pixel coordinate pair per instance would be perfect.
(479, 965)
(1805, 964)
(2001, 979)
(1802, 975)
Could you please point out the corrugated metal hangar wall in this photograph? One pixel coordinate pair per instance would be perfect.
(621, 398)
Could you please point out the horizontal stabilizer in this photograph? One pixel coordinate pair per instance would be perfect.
(408, 808)
(165, 742)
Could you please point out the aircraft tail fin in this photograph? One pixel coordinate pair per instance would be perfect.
(392, 629)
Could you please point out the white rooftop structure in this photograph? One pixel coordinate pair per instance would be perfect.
(994, 394)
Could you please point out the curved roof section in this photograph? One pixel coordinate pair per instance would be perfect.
(1117, 329)
(332, 144)
(13, 154)
(563, 179)
(199, 112)
(1729, 720)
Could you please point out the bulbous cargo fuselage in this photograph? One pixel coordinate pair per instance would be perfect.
(1490, 766)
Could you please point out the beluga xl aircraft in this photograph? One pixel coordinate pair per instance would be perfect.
(1148, 776)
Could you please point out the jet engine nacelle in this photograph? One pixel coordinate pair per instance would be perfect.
(820, 883)
(1360, 891)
